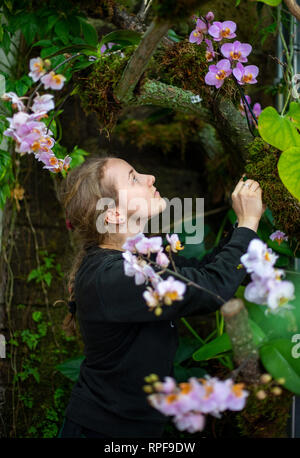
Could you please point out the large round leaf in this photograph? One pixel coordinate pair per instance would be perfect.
(277, 359)
(277, 130)
(289, 170)
(276, 326)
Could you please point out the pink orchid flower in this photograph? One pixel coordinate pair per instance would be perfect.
(196, 35)
(53, 81)
(221, 30)
(217, 73)
(236, 51)
(246, 74)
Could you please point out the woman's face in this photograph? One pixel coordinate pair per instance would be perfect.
(137, 193)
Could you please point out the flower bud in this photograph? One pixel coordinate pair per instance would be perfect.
(281, 381)
(277, 391)
(147, 379)
(157, 386)
(265, 378)
(261, 395)
(153, 377)
(158, 311)
(148, 389)
(47, 63)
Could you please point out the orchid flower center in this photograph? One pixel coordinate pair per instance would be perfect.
(235, 54)
(247, 78)
(185, 388)
(35, 146)
(237, 389)
(225, 32)
(38, 66)
(53, 160)
(178, 245)
(171, 398)
(208, 391)
(173, 295)
(282, 301)
(57, 79)
(221, 75)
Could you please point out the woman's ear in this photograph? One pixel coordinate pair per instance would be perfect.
(115, 216)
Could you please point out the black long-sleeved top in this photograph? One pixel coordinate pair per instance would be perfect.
(125, 341)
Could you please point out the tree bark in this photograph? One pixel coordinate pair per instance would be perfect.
(294, 8)
(140, 59)
(244, 350)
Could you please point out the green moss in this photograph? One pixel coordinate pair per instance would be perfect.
(184, 65)
(265, 418)
(262, 167)
(96, 88)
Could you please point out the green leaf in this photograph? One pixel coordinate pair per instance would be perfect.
(258, 334)
(51, 22)
(294, 113)
(33, 274)
(270, 2)
(289, 170)
(71, 367)
(277, 130)
(36, 316)
(186, 348)
(126, 37)
(61, 29)
(43, 43)
(89, 32)
(48, 278)
(173, 36)
(277, 359)
(219, 345)
(30, 29)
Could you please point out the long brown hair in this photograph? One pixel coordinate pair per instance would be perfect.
(79, 193)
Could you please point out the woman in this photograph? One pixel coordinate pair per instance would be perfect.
(124, 341)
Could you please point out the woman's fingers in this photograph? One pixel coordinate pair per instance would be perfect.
(239, 185)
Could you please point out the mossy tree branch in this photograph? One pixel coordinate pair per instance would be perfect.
(140, 59)
(153, 92)
(224, 116)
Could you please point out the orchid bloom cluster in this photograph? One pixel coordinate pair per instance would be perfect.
(256, 108)
(267, 286)
(162, 292)
(189, 402)
(25, 127)
(235, 54)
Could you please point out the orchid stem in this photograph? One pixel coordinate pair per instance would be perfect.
(189, 282)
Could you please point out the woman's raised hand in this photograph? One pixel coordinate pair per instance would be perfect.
(247, 203)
